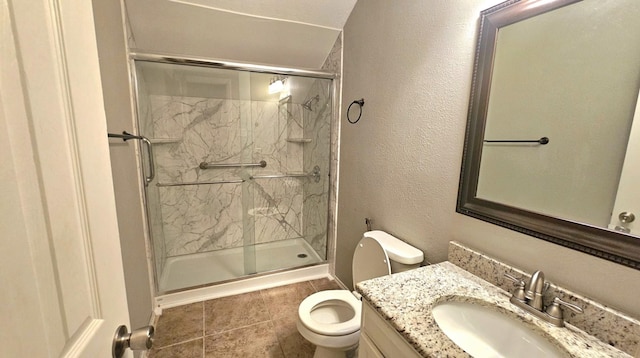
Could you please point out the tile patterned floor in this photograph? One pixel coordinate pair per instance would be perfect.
(254, 324)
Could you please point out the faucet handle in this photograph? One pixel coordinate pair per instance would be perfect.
(555, 311)
(519, 283)
(516, 281)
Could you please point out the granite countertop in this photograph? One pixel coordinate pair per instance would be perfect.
(405, 300)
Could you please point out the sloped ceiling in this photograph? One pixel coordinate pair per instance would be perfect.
(291, 33)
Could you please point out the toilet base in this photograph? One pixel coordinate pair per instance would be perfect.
(324, 352)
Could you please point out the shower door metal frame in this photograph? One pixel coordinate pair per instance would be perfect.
(228, 65)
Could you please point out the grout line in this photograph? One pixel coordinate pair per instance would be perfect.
(273, 329)
(315, 289)
(178, 343)
(264, 303)
(245, 326)
(237, 328)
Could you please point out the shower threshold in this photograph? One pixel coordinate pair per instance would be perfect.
(222, 265)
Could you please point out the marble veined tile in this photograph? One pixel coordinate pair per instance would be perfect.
(317, 126)
(277, 209)
(269, 137)
(201, 218)
(190, 130)
(334, 63)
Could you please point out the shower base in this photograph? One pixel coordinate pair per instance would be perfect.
(209, 267)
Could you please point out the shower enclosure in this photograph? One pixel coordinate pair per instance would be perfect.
(242, 169)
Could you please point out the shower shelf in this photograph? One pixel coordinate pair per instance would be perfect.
(165, 140)
(299, 140)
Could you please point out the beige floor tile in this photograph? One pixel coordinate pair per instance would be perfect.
(324, 284)
(191, 349)
(258, 324)
(292, 343)
(257, 341)
(179, 324)
(227, 313)
(282, 302)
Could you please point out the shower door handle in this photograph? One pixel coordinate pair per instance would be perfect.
(125, 137)
(152, 170)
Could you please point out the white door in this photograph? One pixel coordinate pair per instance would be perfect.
(628, 196)
(62, 285)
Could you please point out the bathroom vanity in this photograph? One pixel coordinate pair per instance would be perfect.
(378, 338)
(398, 320)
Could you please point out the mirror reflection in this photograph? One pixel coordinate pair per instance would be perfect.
(552, 149)
(571, 75)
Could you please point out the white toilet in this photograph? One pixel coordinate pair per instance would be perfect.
(331, 319)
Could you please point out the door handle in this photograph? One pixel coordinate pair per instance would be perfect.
(140, 339)
(626, 217)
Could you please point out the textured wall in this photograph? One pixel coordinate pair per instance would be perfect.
(400, 164)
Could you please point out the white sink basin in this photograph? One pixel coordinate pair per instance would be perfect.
(484, 332)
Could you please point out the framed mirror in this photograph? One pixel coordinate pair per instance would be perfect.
(552, 149)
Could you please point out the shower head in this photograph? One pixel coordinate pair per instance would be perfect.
(307, 104)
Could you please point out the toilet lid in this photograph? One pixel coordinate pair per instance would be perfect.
(370, 260)
(331, 297)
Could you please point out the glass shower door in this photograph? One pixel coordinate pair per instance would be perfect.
(199, 122)
(242, 179)
(292, 134)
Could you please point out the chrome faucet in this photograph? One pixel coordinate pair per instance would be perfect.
(534, 290)
(529, 297)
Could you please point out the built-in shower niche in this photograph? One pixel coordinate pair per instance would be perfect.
(222, 223)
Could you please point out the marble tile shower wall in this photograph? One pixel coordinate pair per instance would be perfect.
(189, 130)
(317, 126)
(333, 63)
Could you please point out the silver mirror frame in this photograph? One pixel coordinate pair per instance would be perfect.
(607, 244)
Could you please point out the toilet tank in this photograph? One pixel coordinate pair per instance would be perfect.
(402, 256)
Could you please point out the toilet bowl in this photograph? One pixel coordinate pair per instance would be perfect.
(331, 319)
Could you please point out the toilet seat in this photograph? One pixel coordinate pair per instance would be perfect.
(323, 298)
(331, 319)
(370, 260)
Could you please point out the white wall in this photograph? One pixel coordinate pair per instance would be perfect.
(115, 86)
(189, 29)
(400, 164)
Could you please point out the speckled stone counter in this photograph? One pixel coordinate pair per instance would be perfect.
(607, 324)
(405, 300)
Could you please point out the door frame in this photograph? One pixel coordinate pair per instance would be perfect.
(65, 188)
